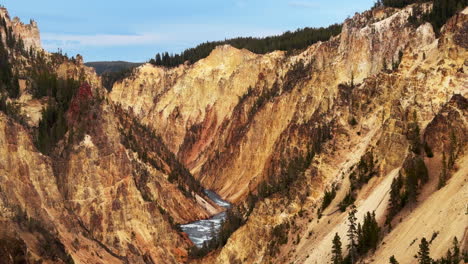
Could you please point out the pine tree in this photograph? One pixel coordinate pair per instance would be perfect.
(360, 239)
(393, 260)
(416, 172)
(456, 251)
(352, 233)
(453, 150)
(400, 56)
(423, 254)
(158, 59)
(368, 234)
(448, 258)
(289, 41)
(421, 170)
(394, 203)
(377, 3)
(443, 173)
(337, 257)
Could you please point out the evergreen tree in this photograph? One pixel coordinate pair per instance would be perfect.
(421, 170)
(393, 260)
(443, 173)
(441, 11)
(453, 150)
(352, 233)
(377, 4)
(448, 258)
(158, 59)
(411, 185)
(368, 236)
(328, 197)
(166, 59)
(289, 41)
(423, 254)
(456, 251)
(337, 257)
(348, 200)
(360, 239)
(416, 173)
(394, 203)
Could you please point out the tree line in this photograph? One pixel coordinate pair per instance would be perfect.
(43, 82)
(442, 10)
(362, 238)
(8, 78)
(453, 255)
(288, 41)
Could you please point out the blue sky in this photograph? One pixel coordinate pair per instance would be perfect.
(136, 30)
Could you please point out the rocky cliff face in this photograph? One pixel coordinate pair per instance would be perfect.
(351, 114)
(110, 191)
(105, 223)
(217, 124)
(337, 101)
(28, 33)
(383, 109)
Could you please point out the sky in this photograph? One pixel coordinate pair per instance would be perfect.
(104, 30)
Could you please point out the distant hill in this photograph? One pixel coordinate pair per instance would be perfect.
(111, 66)
(288, 41)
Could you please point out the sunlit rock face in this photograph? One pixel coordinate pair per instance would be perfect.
(223, 139)
(29, 33)
(428, 89)
(234, 120)
(232, 141)
(103, 194)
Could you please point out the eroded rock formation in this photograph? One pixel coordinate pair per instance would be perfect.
(382, 99)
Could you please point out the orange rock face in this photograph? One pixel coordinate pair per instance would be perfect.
(134, 162)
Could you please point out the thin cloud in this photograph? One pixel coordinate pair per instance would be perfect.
(303, 4)
(165, 37)
(53, 40)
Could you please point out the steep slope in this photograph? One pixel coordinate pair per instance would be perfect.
(33, 211)
(217, 124)
(382, 101)
(385, 106)
(105, 189)
(296, 125)
(28, 33)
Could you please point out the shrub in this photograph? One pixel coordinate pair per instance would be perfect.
(347, 201)
(328, 197)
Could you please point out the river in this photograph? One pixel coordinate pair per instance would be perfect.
(203, 230)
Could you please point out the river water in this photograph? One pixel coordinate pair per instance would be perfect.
(203, 230)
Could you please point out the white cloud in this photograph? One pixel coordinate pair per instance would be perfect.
(185, 35)
(303, 4)
(163, 37)
(53, 40)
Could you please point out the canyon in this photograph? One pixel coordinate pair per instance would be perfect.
(270, 133)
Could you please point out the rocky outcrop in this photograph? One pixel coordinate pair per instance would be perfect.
(380, 100)
(378, 116)
(109, 191)
(34, 214)
(217, 124)
(28, 33)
